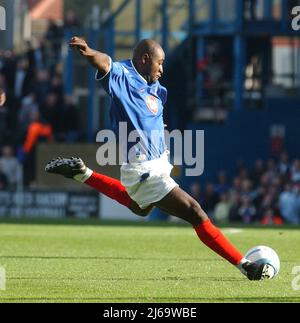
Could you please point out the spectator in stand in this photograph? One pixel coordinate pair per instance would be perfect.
(37, 131)
(295, 171)
(247, 210)
(266, 204)
(2, 97)
(29, 107)
(289, 203)
(3, 88)
(260, 191)
(3, 115)
(54, 36)
(8, 69)
(70, 119)
(51, 113)
(243, 173)
(57, 87)
(247, 189)
(276, 187)
(271, 218)
(271, 171)
(222, 209)
(3, 181)
(283, 164)
(42, 85)
(237, 185)
(222, 186)
(10, 167)
(297, 191)
(235, 204)
(8, 113)
(257, 172)
(196, 193)
(210, 199)
(23, 81)
(36, 53)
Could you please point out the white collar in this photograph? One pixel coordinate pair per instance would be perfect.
(138, 72)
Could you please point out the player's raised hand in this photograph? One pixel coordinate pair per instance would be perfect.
(81, 45)
(2, 98)
(100, 61)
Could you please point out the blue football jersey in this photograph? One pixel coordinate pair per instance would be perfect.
(138, 108)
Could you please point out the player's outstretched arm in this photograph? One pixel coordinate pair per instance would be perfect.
(97, 59)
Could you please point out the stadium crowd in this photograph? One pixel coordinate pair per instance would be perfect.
(36, 106)
(33, 83)
(268, 193)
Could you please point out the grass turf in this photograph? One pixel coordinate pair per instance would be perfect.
(88, 261)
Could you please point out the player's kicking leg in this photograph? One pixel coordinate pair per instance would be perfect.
(177, 203)
(182, 205)
(76, 169)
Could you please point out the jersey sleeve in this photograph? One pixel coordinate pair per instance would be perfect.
(163, 94)
(113, 80)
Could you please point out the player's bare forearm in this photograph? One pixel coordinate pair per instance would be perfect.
(97, 59)
(100, 61)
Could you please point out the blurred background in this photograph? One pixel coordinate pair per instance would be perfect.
(232, 69)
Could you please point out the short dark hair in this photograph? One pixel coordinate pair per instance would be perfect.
(145, 46)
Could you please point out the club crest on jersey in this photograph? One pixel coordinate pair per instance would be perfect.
(152, 103)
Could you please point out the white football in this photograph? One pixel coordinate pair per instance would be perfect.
(266, 255)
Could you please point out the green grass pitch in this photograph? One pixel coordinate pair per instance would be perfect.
(91, 261)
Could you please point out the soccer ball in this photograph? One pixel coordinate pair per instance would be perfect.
(266, 255)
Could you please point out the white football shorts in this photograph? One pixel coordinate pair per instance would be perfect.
(149, 181)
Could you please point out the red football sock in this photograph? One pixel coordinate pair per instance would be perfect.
(110, 187)
(215, 240)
